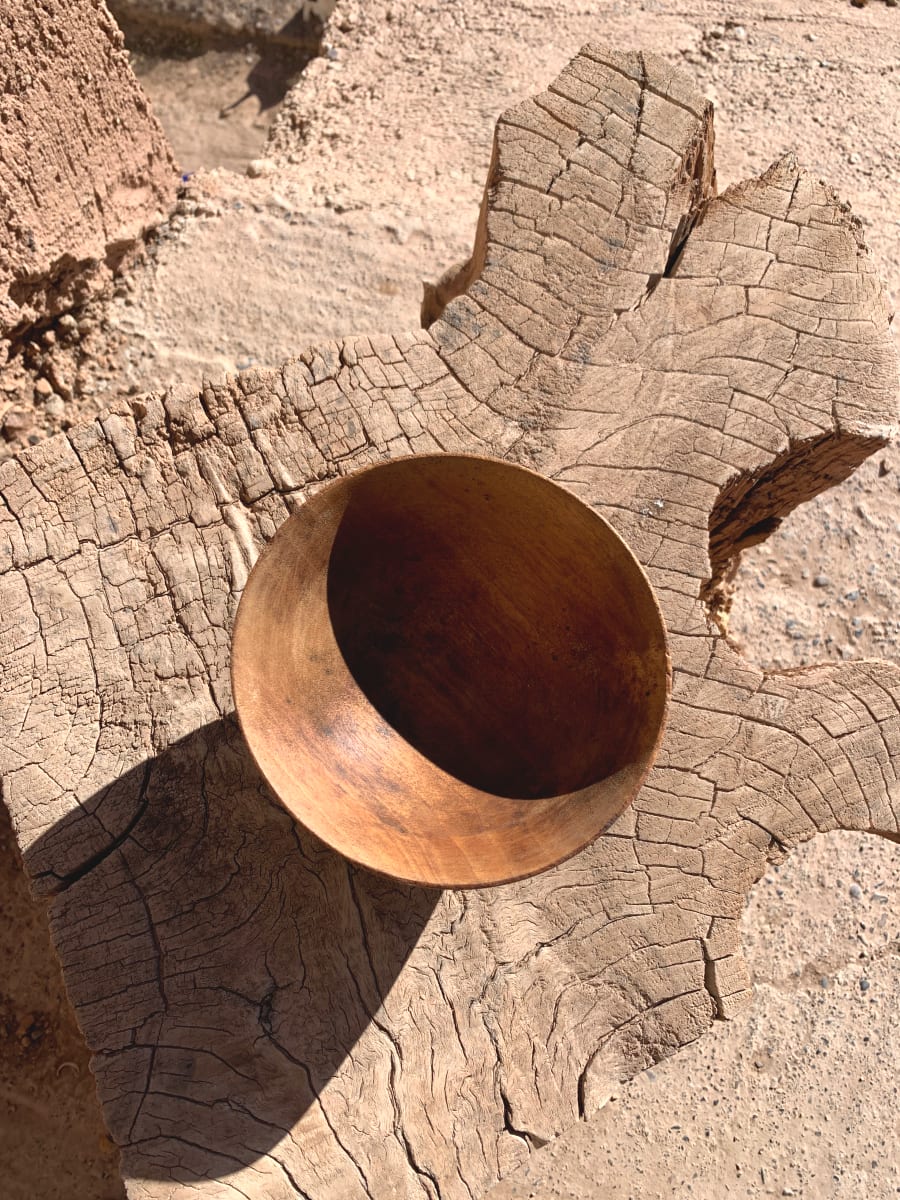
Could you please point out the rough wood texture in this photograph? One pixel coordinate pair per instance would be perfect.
(268, 1021)
(451, 670)
(85, 168)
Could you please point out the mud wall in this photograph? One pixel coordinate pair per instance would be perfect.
(85, 169)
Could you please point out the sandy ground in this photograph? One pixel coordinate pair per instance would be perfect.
(367, 179)
(798, 1096)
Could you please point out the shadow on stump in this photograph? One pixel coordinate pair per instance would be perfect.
(215, 1023)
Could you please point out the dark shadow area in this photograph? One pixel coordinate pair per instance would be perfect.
(222, 961)
(501, 628)
(282, 54)
(282, 60)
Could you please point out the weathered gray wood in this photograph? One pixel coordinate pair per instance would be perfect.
(267, 1021)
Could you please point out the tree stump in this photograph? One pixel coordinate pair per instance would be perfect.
(267, 1020)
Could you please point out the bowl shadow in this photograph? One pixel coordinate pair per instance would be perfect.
(214, 1022)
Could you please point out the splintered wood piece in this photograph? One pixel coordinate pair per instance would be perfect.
(269, 1021)
(451, 670)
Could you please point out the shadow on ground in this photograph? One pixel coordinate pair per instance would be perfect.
(215, 1023)
(282, 55)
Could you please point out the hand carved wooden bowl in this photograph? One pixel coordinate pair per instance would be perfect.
(451, 670)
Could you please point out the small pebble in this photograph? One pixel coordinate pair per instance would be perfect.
(260, 167)
(855, 891)
(16, 423)
(823, 982)
(821, 581)
(42, 389)
(55, 406)
(864, 985)
(61, 385)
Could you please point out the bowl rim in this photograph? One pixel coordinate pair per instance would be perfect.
(652, 753)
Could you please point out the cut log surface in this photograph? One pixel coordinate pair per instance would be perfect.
(269, 1021)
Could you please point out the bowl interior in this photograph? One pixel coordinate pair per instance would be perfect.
(451, 669)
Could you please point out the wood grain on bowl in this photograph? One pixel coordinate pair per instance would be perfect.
(451, 669)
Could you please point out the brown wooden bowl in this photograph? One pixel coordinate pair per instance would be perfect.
(451, 670)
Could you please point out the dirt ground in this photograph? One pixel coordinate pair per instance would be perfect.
(320, 215)
(797, 1096)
